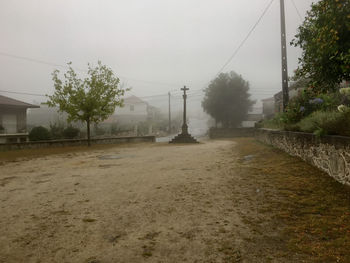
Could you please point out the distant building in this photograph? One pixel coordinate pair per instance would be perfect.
(268, 107)
(278, 97)
(134, 110)
(46, 116)
(13, 119)
(293, 90)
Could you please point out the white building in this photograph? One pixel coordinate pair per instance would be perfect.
(134, 110)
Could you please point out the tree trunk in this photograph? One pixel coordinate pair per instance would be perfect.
(88, 131)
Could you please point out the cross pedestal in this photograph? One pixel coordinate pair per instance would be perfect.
(184, 136)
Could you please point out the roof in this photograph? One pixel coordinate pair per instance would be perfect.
(133, 100)
(268, 99)
(6, 101)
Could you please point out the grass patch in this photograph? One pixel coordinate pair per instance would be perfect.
(27, 154)
(312, 208)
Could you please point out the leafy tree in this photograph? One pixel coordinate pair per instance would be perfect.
(325, 40)
(227, 99)
(89, 100)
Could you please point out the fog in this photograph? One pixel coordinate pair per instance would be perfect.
(154, 46)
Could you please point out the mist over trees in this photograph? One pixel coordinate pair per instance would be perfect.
(227, 99)
(90, 100)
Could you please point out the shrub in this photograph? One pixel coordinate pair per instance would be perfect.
(56, 131)
(39, 133)
(308, 102)
(327, 122)
(98, 130)
(274, 123)
(70, 132)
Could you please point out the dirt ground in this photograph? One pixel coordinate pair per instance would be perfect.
(210, 202)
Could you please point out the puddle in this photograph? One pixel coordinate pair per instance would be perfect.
(248, 157)
(113, 157)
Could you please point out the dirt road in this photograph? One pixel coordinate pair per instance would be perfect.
(140, 203)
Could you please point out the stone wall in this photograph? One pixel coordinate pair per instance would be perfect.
(331, 154)
(217, 133)
(78, 142)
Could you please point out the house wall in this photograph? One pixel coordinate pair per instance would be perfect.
(138, 109)
(75, 142)
(21, 118)
(217, 133)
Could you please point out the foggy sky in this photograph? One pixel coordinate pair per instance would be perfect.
(171, 42)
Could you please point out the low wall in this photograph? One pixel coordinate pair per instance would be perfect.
(75, 142)
(331, 154)
(217, 133)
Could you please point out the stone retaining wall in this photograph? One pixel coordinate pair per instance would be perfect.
(78, 142)
(331, 154)
(217, 133)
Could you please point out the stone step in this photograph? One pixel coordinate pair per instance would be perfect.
(183, 138)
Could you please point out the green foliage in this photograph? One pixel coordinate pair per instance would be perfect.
(274, 123)
(325, 40)
(92, 99)
(56, 131)
(99, 130)
(227, 99)
(114, 129)
(39, 133)
(307, 102)
(70, 132)
(327, 123)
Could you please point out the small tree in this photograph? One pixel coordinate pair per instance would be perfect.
(325, 40)
(227, 99)
(92, 99)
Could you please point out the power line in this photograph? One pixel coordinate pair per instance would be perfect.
(246, 38)
(48, 63)
(147, 81)
(296, 9)
(43, 95)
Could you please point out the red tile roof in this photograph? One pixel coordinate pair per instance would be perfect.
(6, 101)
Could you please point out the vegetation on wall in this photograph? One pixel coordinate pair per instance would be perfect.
(323, 114)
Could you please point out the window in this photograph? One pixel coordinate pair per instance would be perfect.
(131, 107)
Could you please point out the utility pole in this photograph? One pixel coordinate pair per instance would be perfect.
(169, 114)
(285, 92)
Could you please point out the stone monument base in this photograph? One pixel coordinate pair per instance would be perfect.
(184, 138)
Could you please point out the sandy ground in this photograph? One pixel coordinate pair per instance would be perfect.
(217, 201)
(157, 203)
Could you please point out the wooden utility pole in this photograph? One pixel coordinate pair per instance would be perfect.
(169, 114)
(285, 92)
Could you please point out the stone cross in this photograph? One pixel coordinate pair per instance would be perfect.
(184, 125)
